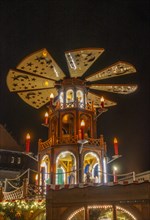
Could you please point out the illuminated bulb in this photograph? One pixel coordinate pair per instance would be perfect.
(116, 146)
(46, 114)
(46, 118)
(46, 83)
(82, 129)
(51, 99)
(102, 102)
(36, 177)
(115, 168)
(28, 136)
(44, 53)
(115, 141)
(82, 123)
(27, 143)
(51, 96)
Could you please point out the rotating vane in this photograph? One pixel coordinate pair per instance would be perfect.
(37, 76)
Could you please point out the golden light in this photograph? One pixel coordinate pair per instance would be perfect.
(46, 83)
(44, 53)
(51, 96)
(115, 141)
(102, 99)
(82, 123)
(102, 102)
(46, 114)
(36, 177)
(115, 168)
(46, 118)
(28, 136)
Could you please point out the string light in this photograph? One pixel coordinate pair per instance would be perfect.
(21, 206)
(125, 211)
(75, 213)
(110, 207)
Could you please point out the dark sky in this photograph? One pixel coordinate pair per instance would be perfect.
(121, 27)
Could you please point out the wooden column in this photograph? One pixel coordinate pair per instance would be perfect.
(114, 213)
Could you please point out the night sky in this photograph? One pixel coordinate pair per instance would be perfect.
(122, 28)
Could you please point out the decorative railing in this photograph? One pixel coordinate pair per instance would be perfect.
(15, 194)
(45, 144)
(75, 104)
(93, 142)
(66, 139)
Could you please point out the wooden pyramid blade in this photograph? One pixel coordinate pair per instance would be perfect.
(118, 69)
(42, 64)
(115, 88)
(80, 60)
(19, 81)
(37, 98)
(96, 100)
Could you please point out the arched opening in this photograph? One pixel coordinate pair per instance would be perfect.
(45, 170)
(80, 97)
(66, 168)
(69, 96)
(101, 212)
(68, 125)
(61, 97)
(92, 168)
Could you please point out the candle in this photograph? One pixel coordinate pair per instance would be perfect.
(82, 129)
(36, 179)
(102, 102)
(116, 146)
(28, 143)
(114, 174)
(46, 118)
(51, 99)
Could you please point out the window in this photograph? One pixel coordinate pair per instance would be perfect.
(61, 97)
(80, 96)
(69, 96)
(19, 160)
(12, 159)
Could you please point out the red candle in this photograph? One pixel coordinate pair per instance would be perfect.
(102, 102)
(51, 99)
(46, 118)
(82, 129)
(115, 146)
(28, 143)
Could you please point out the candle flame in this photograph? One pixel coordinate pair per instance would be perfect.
(36, 177)
(102, 99)
(28, 136)
(51, 96)
(82, 123)
(46, 114)
(115, 140)
(44, 53)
